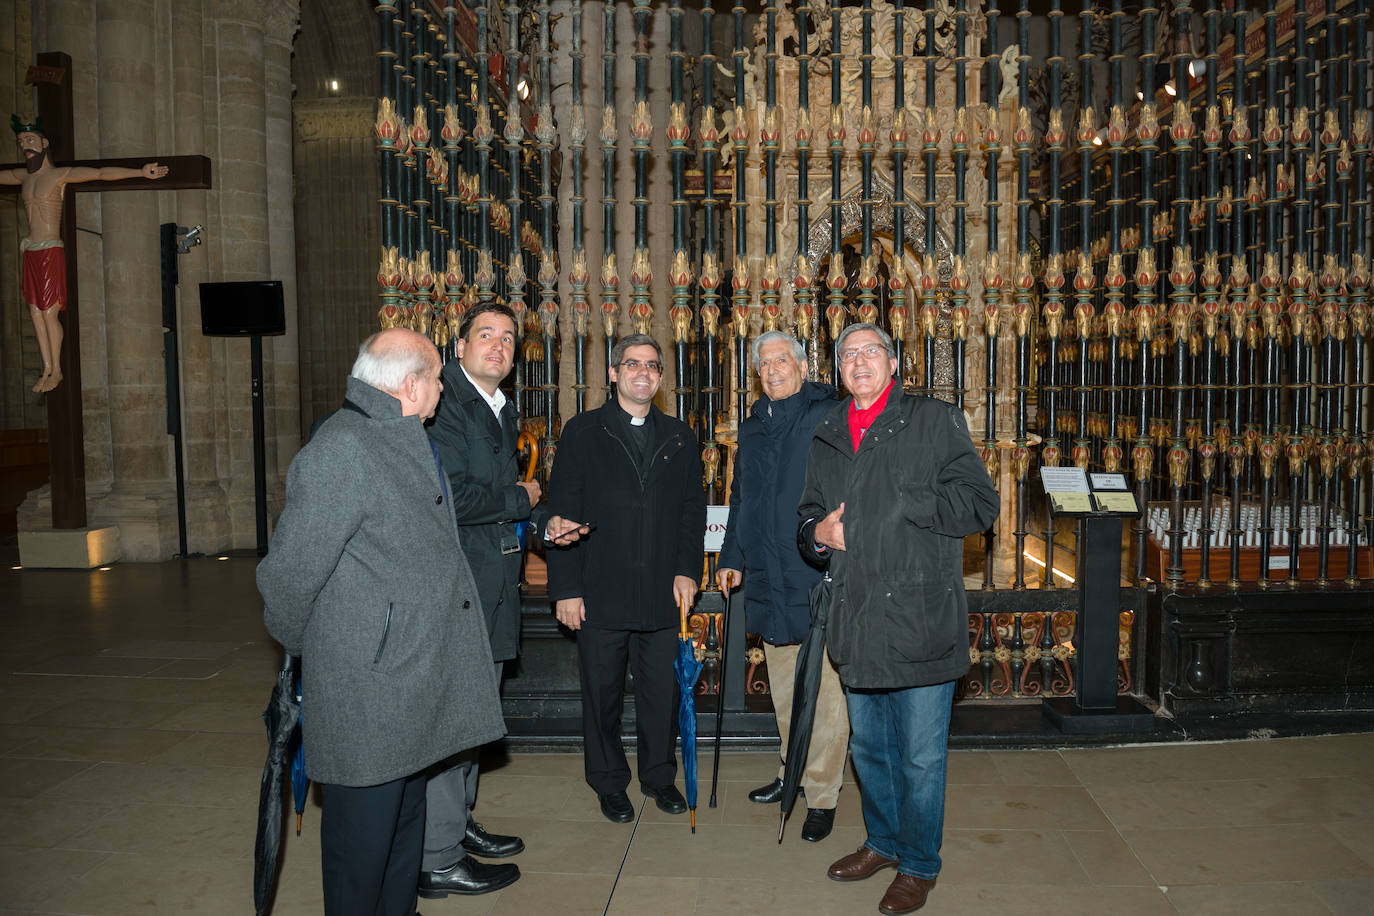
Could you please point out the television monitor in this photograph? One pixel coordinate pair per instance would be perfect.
(249, 308)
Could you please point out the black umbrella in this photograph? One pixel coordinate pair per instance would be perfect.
(280, 717)
(810, 658)
(720, 692)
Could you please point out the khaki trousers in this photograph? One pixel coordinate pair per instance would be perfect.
(829, 736)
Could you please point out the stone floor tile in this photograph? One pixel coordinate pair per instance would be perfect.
(31, 877)
(117, 745)
(145, 783)
(1269, 899)
(1106, 859)
(1034, 899)
(46, 821)
(1010, 857)
(1022, 807)
(1345, 898)
(1033, 768)
(1248, 855)
(663, 896)
(170, 830)
(238, 718)
(24, 777)
(98, 713)
(202, 749)
(126, 884)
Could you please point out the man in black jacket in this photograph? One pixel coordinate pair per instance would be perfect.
(761, 543)
(893, 486)
(474, 431)
(634, 474)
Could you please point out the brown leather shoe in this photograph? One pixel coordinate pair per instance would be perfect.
(858, 865)
(906, 894)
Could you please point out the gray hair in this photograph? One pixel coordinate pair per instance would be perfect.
(798, 351)
(634, 340)
(385, 360)
(866, 326)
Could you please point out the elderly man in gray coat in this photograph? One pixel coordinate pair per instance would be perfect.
(361, 581)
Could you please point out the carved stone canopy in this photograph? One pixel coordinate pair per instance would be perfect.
(819, 233)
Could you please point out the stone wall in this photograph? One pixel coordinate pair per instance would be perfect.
(179, 77)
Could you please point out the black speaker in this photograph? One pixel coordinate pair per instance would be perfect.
(250, 308)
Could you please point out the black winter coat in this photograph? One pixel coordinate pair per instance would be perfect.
(482, 465)
(761, 538)
(913, 491)
(647, 529)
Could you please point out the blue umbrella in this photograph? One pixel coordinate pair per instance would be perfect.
(687, 669)
(300, 783)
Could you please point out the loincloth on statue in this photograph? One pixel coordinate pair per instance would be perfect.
(45, 274)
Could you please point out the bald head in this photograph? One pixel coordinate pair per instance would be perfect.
(405, 365)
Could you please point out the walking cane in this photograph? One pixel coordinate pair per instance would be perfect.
(528, 440)
(720, 694)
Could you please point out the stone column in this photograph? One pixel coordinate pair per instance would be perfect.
(142, 499)
(20, 364)
(235, 49)
(207, 523)
(282, 354)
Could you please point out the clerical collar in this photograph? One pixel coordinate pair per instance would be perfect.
(631, 419)
(494, 401)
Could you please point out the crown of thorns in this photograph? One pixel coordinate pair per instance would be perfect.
(20, 126)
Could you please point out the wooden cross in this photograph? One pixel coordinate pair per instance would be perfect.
(66, 438)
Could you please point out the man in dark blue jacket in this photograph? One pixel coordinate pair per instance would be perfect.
(761, 542)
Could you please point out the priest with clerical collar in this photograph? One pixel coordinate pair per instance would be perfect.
(633, 474)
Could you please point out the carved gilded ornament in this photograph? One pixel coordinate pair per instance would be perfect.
(388, 125)
(577, 125)
(1147, 127)
(1361, 131)
(608, 126)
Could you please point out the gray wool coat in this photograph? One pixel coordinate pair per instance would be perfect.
(365, 580)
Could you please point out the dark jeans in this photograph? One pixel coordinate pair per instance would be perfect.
(370, 841)
(899, 741)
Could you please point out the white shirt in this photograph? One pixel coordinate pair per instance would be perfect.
(494, 401)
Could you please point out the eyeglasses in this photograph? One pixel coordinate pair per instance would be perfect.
(653, 367)
(869, 352)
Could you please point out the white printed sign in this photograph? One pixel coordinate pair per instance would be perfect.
(716, 518)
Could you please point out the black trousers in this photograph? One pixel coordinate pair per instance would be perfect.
(602, 656)
(370, 843)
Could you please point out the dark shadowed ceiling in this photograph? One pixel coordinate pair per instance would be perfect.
(338, 41)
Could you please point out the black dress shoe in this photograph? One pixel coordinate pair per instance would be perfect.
(617, 808)
(466, 876)
(668, 798)
(818, 824)
(770, 794)
(490, 845)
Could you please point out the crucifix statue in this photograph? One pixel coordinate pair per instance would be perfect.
(52, 216)
(44, 270)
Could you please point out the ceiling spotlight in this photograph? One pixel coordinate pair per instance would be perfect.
(522, 87)
(1197, 68)
(1170, 88)
(1100, 137)
(333, 85)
